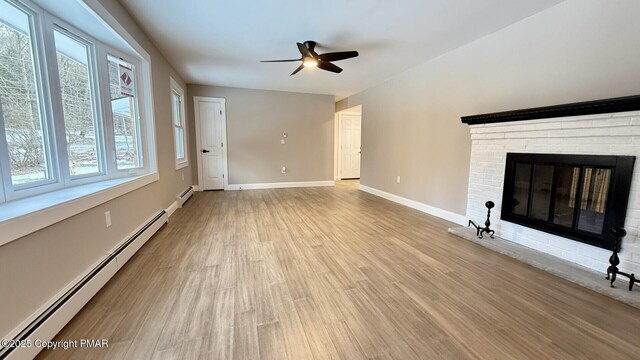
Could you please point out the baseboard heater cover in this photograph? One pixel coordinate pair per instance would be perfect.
(71, 302)
(185, 196)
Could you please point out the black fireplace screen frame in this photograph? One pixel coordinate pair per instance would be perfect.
(616, 203)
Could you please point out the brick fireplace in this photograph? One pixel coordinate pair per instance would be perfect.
(612, 130)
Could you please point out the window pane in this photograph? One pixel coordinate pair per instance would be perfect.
(19, 99)
(126, 122)
(595, 191)
(78, 106)
(177, 118)
(566, 192)
(179, 143)
(178, 129)
(542, 183)
(520, 201)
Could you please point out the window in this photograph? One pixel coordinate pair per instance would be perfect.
(83, 132)
(578, 196)
(69, 106)
(26, 149)
(124, 110)
(179, 125)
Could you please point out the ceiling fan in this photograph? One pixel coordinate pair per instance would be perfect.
(312, 59)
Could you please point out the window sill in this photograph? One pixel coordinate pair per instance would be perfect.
(182, 165)
(25, 216)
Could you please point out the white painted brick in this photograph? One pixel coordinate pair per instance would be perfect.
(576, 124)
(531, 127)
(599, 265)
(631, 268)
(624, 149)
(526, 134)
(617, 134)
(580, 132)
(631, 114)
(592, 149)
(622, 121)
(574, 257)
(625, 131)
(486, 136)
(565, 244)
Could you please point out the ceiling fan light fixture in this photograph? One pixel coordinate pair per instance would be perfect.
(311, 59)
(309, 62)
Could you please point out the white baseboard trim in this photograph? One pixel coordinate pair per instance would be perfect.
(280, 185)
(431, 210)
(195, 187)
(171, 209)
(50, 318)
(184, 196)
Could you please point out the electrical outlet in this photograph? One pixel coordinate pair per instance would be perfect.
(284, 169)
(107, 218)
(282, 141)
(398, 179)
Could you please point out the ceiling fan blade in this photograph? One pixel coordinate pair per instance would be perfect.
(288, 60)
(297, 70)
(304, 51)
(337, 56)
(325, 65)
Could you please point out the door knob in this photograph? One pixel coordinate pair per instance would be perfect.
(204, 151)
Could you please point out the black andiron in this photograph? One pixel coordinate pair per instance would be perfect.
(612, 271)
(485, 229)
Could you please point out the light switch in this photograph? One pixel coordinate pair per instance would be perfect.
(282, 141)
(398, 179)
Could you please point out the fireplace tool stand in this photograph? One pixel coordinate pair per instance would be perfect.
(612, 271)
(485, 229)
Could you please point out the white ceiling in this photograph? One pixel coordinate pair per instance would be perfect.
(220, 42)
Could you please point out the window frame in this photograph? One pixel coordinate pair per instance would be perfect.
(48, 86)
(142, 126)
(43, 81)
(176, 89)
(54, 24)
(41, 206)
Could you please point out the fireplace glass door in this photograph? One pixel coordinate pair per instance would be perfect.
(577, 196)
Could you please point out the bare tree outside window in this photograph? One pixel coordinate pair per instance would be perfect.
(20, 102)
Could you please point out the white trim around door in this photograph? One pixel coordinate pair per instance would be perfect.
(196, 107)
(338, 139)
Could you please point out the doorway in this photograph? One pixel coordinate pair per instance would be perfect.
(211, 141)
(348, 140)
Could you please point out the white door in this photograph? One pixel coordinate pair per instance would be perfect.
(210, 115)
(350, 146)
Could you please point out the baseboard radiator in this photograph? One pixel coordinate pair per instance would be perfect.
(45, 326)
(185, 196)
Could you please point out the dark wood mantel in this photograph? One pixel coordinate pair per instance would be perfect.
(627, 103)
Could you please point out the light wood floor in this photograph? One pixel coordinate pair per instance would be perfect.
(335, 273)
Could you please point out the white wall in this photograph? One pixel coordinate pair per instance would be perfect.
(617, 134)
(578, 50)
